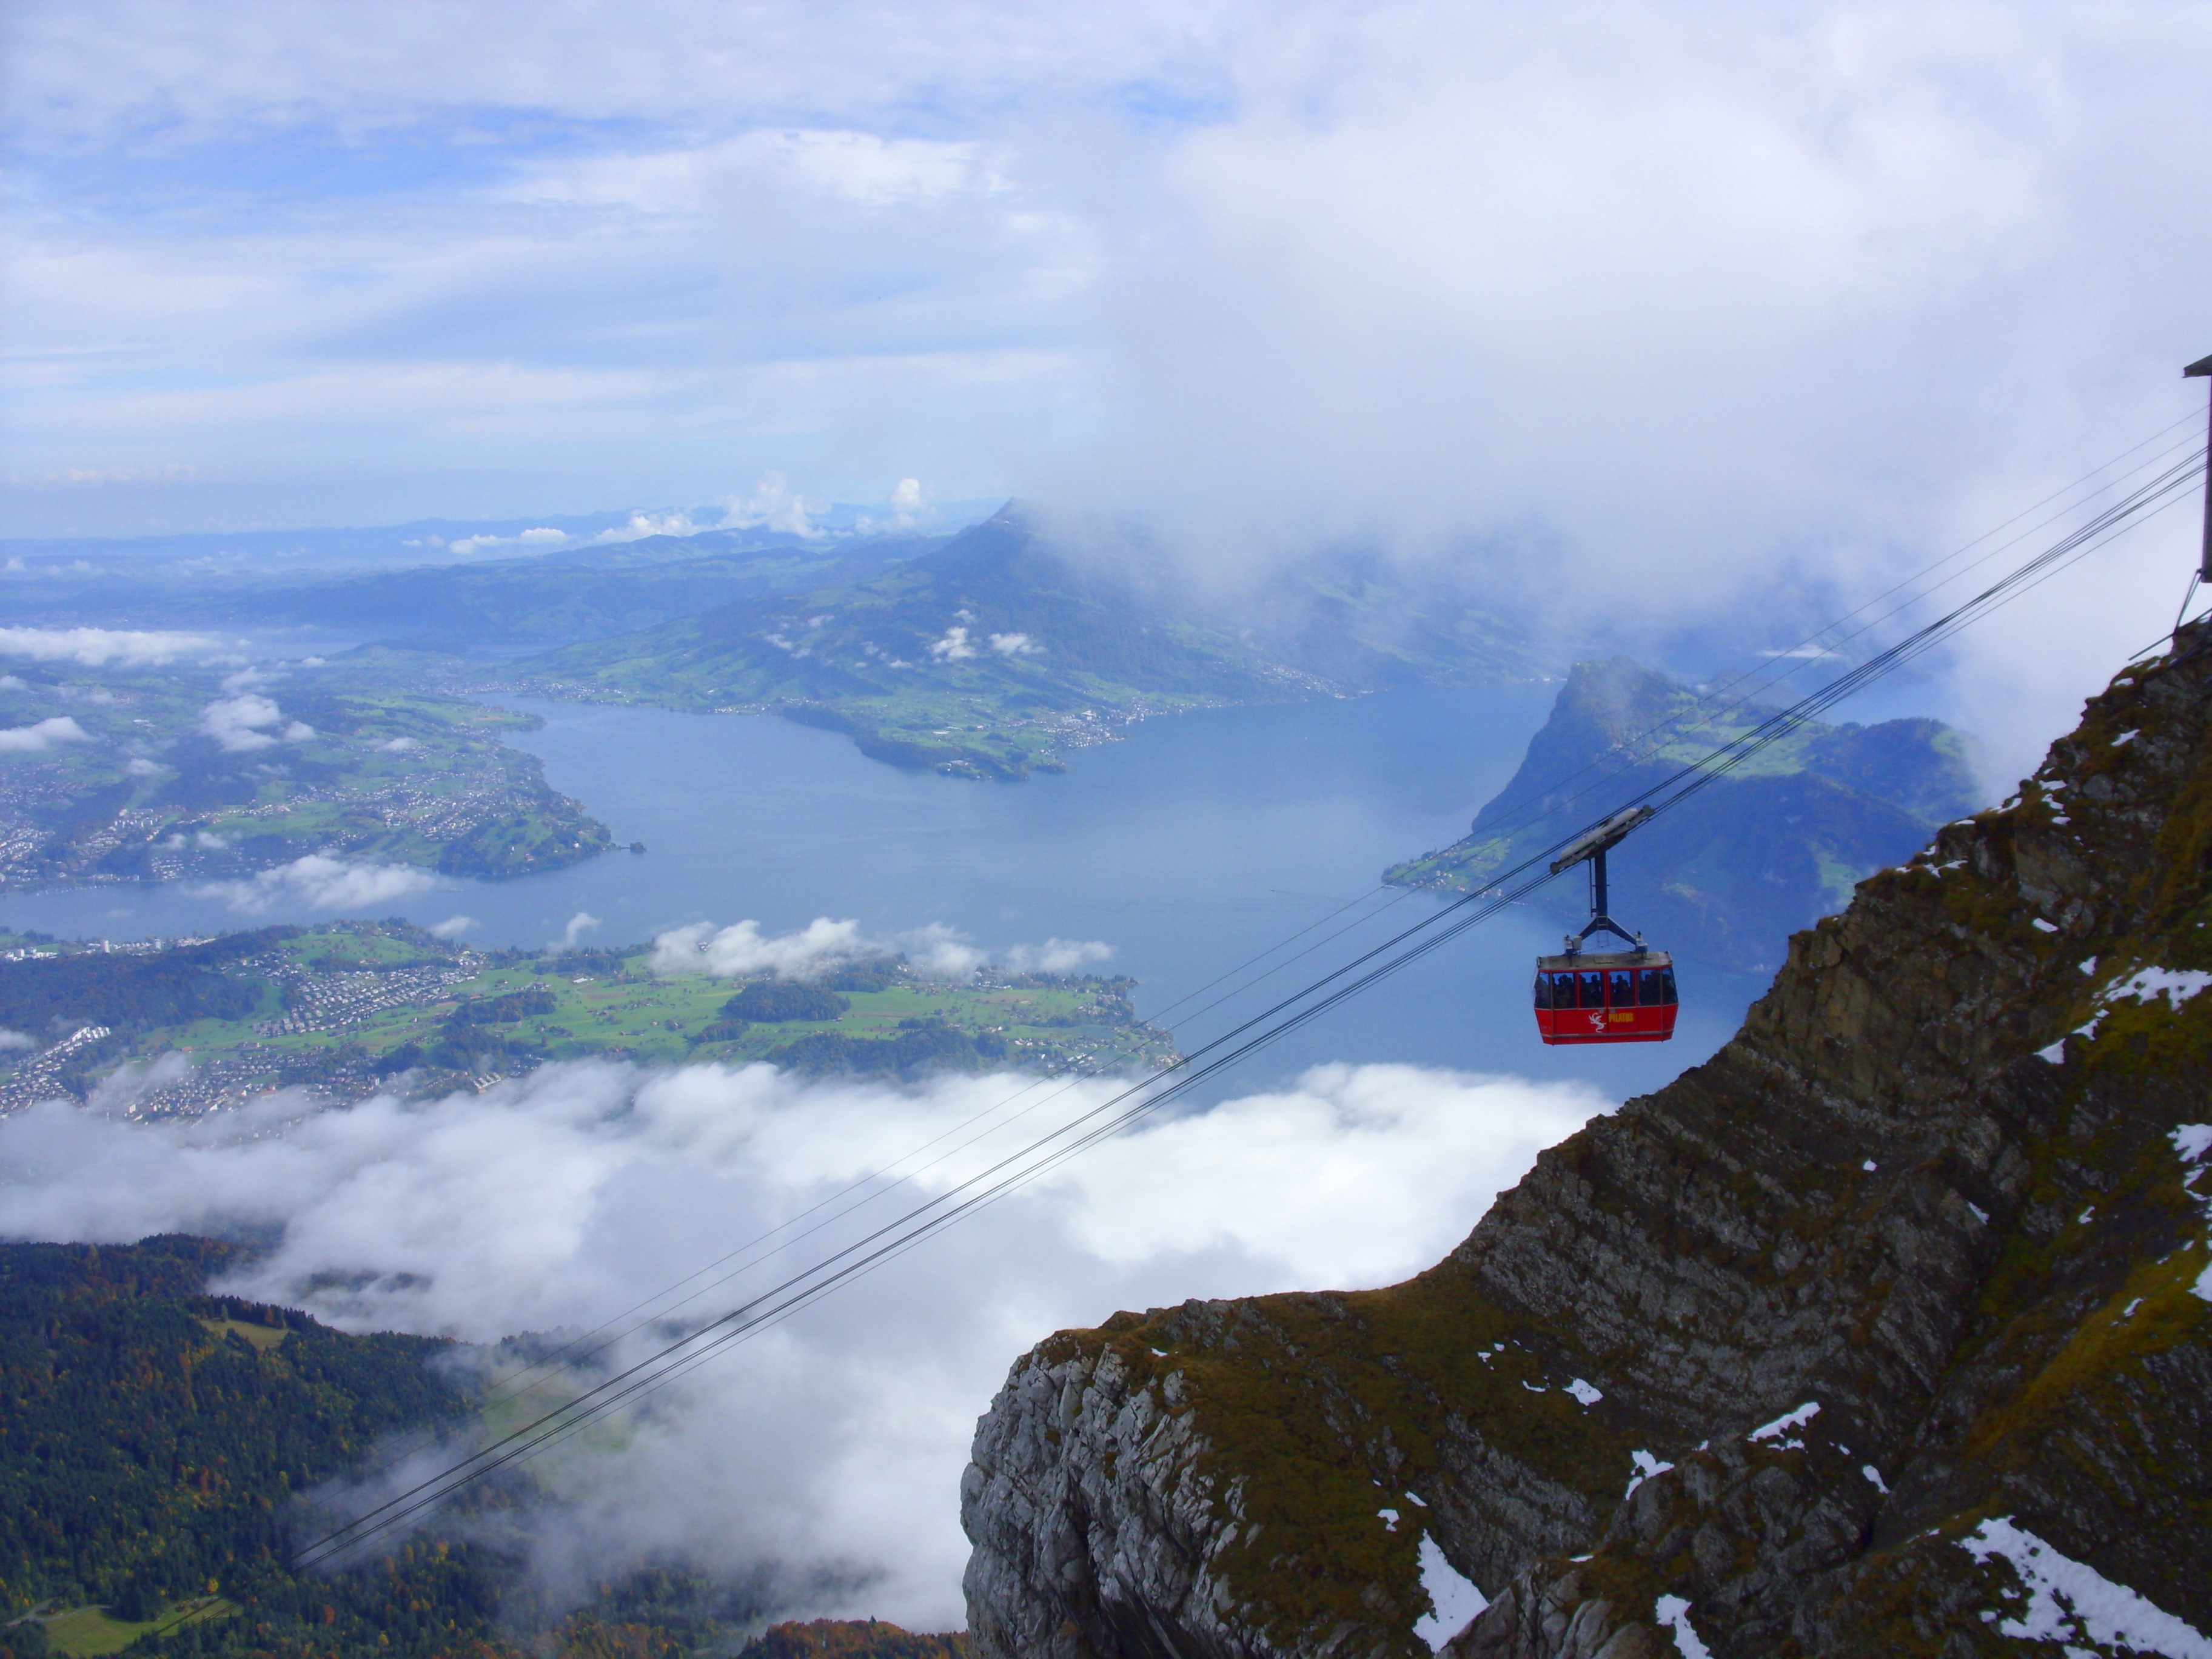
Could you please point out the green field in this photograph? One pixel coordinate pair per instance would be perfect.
(349, 1006)
(89, 1632)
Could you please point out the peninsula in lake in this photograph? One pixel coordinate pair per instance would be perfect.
(1760, 852)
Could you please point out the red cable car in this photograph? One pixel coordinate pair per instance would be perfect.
(1605, 996)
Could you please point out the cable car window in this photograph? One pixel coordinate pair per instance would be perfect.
(1593, 989)
(1621, 981)
(1657, 988)
(1543, 990)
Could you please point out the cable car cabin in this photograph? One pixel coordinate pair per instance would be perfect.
(1605, 996)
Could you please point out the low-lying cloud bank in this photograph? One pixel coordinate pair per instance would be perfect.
(826, 943)
(94, 647)
(322, 883)
(828, 1451)
(42, 734)
(251, 721)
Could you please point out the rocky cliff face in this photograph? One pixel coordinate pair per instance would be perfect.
(1888, 1330)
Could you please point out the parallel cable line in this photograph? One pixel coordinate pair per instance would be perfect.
(1141, 1099)
(1702, 715)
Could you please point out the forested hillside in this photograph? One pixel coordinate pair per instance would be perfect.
(154, 1440)
(152, 1437)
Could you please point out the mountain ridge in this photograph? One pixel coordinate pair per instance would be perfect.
(995, 655)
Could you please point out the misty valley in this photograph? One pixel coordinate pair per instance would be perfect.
(1006, 830)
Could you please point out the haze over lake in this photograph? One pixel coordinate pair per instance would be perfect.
(1196, 842)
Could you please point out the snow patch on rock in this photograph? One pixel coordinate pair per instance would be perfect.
(2069, 1600)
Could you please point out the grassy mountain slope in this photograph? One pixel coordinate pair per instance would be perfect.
(993, 655)
(1728, 877)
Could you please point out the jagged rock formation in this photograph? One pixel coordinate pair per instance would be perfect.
(1886, 1330)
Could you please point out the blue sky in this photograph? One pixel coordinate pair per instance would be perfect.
(283, 263)
(1668, 300)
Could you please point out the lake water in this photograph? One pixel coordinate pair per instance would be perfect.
(1198, 841)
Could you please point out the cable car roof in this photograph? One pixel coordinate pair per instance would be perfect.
(1590, 843)
(1586, 960)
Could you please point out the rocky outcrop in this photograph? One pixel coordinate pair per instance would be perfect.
(1885, 1330)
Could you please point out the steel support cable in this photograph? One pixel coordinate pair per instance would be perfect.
(2161, 489)
(1702, 715)
(899, 1246)
(1068, 1078)
(542, 1367)
(778, 1302)
(1687, 722)
(927, 1218)
(2153, 498)
(923, 1211)
(508, 1387)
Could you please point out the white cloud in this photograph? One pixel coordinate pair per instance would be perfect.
(942, 952)
(1016, 645)
(556, 1202)
(581, 923)
(320, 883)
(42, 734)
(1058, 956)
(642, 525)
(396, 745)
(16, 1039)
(243, 724)
(742, 948)
(936, 951)
(858, 168)
(11, 683)
(96, 646)
(953, 647)
(114, 1095)
(543, 538)
(139, 767)
(1828, 287)
(454, 926)
(772, 506)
